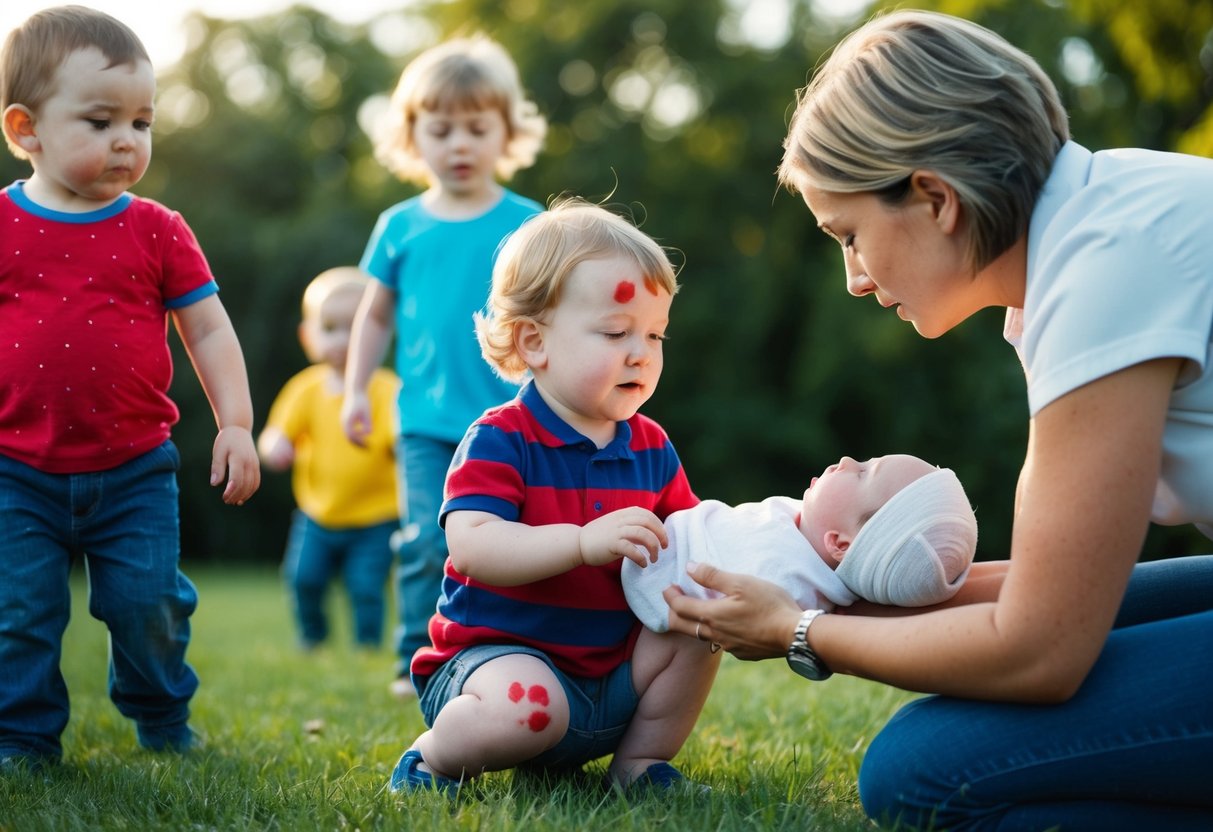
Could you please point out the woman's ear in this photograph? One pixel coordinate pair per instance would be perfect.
(528, 341)
(19, 128)
(934, 191)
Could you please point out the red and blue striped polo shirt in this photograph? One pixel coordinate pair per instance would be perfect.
(523, 463)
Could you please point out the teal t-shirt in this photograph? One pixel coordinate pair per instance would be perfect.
(441, 271)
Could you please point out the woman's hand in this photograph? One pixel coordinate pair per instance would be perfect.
(755, 619)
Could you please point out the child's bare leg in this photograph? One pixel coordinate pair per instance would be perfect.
(673, 674)
(510, 710)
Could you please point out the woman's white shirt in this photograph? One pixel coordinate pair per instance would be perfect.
(1120, 271)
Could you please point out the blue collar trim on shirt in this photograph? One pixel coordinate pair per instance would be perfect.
(529, 395)
(16, 193)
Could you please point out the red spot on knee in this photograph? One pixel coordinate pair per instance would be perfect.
(651, 285)
(538, 694)
(625, 291)
(538, 720)
(516, 692)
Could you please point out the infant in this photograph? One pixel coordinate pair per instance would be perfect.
(894, 530)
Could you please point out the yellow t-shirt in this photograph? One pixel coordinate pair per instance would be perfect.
(335, 482)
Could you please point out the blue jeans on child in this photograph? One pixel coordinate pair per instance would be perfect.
(1131, 751)
(600, 710)
(421, 463)
(315, 555)
(124, 522)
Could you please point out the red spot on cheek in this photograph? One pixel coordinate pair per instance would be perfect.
(516, 692)
(625, 291)
(651, 285)
(538, 694)
(538, 721)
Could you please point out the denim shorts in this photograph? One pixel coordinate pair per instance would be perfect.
(600, 709)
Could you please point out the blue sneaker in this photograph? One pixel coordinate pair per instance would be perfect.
(407, 777)
(663, 777)
(177, 739)
(16, 764)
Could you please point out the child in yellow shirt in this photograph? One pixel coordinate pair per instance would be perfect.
(346, 494)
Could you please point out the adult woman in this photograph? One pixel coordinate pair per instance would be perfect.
(938, 155)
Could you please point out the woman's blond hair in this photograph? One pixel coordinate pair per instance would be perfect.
(916, 90)
(472, 73)
(536, 261)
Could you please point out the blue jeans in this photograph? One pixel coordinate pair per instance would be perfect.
(315, 555)
(421, 463)
(124, 523)
(1132, 750)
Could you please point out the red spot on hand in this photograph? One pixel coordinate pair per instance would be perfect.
(538, 694)
(538, 721)
(651, 285)
(516, 692)
(625, 291)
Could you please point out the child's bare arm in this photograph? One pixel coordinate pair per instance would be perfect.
(214, 351)
(369, 339)
(502, 553)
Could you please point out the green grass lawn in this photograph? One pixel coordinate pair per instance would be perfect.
(296, 741)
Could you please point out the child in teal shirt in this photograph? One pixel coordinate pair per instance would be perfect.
(460, 120)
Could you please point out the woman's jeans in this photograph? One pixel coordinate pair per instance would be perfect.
(316, 555)
(421, 551)
(1132, 750)
(124, 523)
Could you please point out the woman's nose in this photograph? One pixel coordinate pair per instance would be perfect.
(859, 284)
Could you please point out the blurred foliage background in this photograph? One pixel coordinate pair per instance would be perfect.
(672, 111)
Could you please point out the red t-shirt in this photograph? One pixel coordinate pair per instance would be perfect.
(84, 362)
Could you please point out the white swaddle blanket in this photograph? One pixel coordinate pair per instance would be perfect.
(916, 550)
(753, 538)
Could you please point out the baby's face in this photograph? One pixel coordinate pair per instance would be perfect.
(848, 493)
(325, 332)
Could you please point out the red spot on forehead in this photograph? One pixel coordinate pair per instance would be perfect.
(651, 285)
(625, 290)
(516, 692)
(538, 694)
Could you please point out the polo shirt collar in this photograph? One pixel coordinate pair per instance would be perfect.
(562, 430)
(1071, 170)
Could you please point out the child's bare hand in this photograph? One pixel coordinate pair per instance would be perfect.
(277, 452)
(235, 455)
(632, 533)
(356, 417)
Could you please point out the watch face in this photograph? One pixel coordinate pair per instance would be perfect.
(809, 668)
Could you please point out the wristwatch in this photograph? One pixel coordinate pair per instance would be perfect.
(801, 657)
